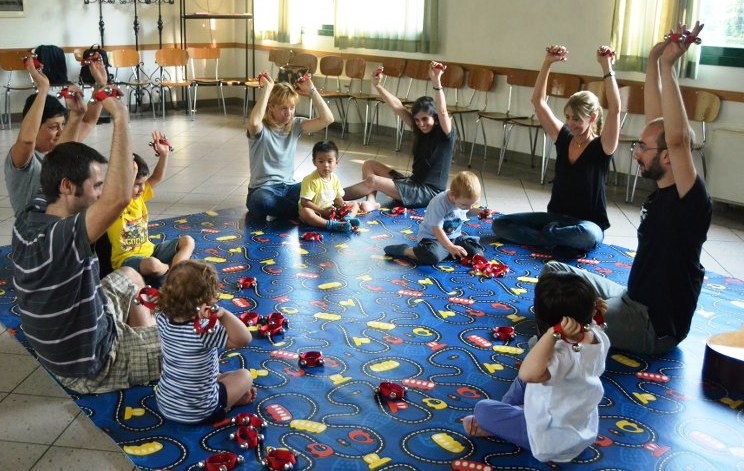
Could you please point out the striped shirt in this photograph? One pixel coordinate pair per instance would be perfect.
(60, 299)
(188, 390)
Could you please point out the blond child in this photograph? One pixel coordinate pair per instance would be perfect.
(440, 233)
(321, 193)
(191, 388)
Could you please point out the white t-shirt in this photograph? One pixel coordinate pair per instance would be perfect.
(561, 414)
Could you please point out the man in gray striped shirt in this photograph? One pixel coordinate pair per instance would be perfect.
(85, 330)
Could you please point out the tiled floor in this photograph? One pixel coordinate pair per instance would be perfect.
(42, 429)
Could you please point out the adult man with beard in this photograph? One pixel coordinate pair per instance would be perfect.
(653, 314)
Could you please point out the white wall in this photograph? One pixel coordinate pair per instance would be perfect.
(504, 33)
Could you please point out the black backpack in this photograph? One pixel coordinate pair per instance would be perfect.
(55, 65)
(85, 76)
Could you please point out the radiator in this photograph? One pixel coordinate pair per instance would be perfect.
(725, 162)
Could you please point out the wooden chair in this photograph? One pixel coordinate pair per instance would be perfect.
(702, 107)
(331, 68)
(278, 58)
(134, 79)
(500, 116)
(559, 86)
(172, 63)
(356, 70)
(204, 63)
(12, 61)
(631, 103)
(393, 70)
(480, 82)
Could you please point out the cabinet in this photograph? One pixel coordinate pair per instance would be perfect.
(250, 37)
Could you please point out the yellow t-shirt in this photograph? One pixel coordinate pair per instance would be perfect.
(128, 234)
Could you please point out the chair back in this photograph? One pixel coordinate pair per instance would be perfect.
(394, 68)
(631, 102)
(356, 69)
(306, 60)
(563, 85)
(480, 83)
(171, 57)
(174, 58)
(204, 63)
(13, 60)
(120, 58)
(299, 65)
(701, 105)
(416, 70)
(598, 88)
(331, 67)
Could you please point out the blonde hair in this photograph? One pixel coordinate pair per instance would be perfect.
(281, 94)
(189, 285)
(465, 185)
(584, 104)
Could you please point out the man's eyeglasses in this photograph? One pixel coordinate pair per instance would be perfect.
(643, 147)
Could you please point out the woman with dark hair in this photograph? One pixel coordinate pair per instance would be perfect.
(433, 146)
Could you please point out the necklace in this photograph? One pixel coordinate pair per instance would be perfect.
(581, 144)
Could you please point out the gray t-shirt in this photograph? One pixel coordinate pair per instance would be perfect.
(272, 156)
(23, 183)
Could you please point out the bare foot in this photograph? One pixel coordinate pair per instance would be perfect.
(247, 398)
(471, 427)
(369, 206)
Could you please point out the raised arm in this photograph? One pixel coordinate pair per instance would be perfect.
(324, 115)
(392, 101)
(676, 125)
(435, 75)
(611, 127)
(255, 119)
(23, 150)
(162, 151)
(117, 188)
(549, 122)
(652, 86)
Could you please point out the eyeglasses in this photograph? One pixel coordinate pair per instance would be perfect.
(643, 147)
(57, 127)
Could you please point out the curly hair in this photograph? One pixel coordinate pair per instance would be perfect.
(188, 285)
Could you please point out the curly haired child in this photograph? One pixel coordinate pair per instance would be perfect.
(191, 388)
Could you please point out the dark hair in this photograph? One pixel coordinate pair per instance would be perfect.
(142, 169)
(324, 146)
(189, 284)
(563, 294)
(427, 105)
(70, 160)
(52, 107)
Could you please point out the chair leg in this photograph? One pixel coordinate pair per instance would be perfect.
(627, 181)
(546, 151)
(475, 141)
(222, 99)
(508, 127)
(635, 182)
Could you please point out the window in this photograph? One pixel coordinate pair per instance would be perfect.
(399, 25)
(723, 34)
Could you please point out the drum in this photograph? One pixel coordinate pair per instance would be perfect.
(724, 360)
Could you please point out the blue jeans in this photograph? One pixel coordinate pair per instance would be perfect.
(628, 325)
(279, 200)
(548, 229)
